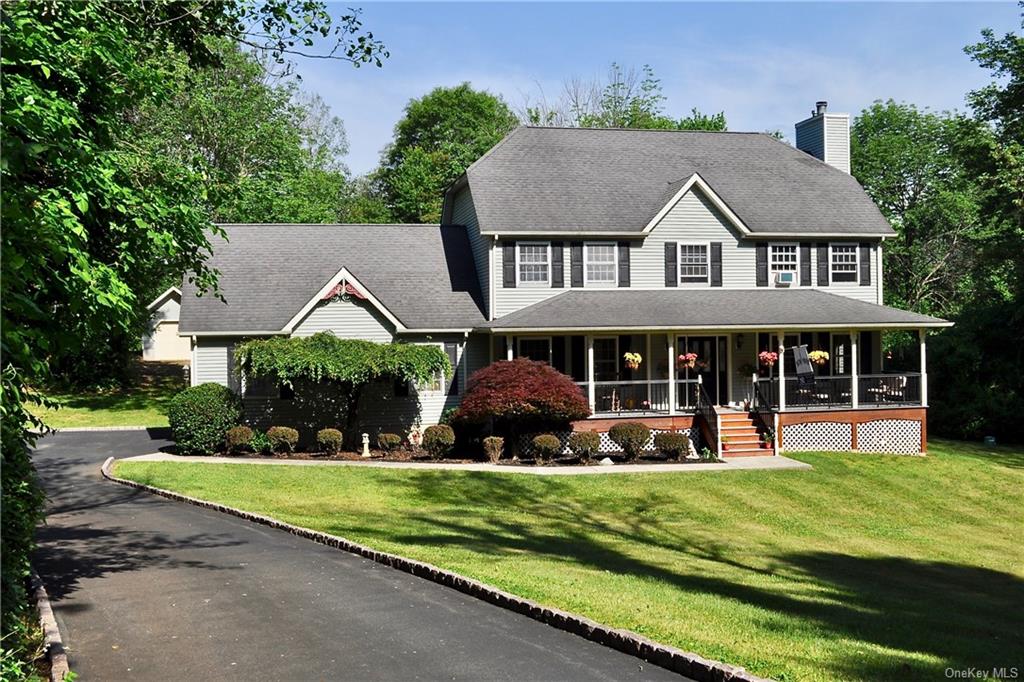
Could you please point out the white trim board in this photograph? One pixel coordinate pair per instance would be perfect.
(163, 297)
(348, 278)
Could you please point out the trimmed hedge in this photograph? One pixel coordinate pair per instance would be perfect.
(546, 446)
(585, 444)
(388, 441)
(672, 444)
(282, 438)
(631, 437)
(200, 417)
(238, 439)
(329, 441)
(493, 446)
(438, 440)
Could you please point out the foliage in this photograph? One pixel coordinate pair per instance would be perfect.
(260, 443)
(493, 447)
(672, 444)
(546, 446)
(438, 440)
(522, 390)
(631, 437)
(200, 416)
(238, 439)
(388, 441)
(439, 136)
(329, 440)
(585, 444)
(283, 439)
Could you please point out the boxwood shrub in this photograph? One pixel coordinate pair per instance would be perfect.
(388, 441)
(329, 441)
(200, 416)
(282, 438)
(238, 439)
(493, 446)
(585, 444)
(546, 446)
(631, 437)
(672, 444)
(438, 440)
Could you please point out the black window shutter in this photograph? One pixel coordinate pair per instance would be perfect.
(865, 265)
(557, 274)
(508, 264)
(716, 264)
(805, 264)
(576, 263)
(761, 256)
(823, 265)
(452, 351)
(671, 265)
(623, 264)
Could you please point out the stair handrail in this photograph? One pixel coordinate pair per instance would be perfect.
(706, 410)
(762, 410)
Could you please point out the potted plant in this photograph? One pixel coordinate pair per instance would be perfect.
(818, 357)
(633, 360)
(767, 439)
(687, 360)
(768, 358)
(725, 442)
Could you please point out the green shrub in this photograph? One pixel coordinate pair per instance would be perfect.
(238, 439)
(672, 444)
(200, 416)
(546, 446)
(585, 444)
(493, 446)
(329, 441)
(388, 441)
(260, 443)
(282, 438)
(631, 437)
(438, 440)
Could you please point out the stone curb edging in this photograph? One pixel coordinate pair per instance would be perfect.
(88, 429)
(626, 641)
(59, 668)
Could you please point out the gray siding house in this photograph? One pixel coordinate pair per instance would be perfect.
(697, 250)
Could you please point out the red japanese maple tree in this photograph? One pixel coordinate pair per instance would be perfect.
(522, 390)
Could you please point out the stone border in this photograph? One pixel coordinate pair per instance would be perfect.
(88, 429)
(626, 641)
(59, 668)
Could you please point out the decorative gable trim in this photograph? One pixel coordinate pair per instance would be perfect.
(350, 285)
(159, 300)
(697, 181)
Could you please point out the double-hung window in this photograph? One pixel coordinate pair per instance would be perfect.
(784, 258)
(601, 263)
(693, 263)
(843, 262)
(533, 263)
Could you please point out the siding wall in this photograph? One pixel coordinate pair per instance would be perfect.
(837, 141)
(352, 319)
(464, 213)
(510, 300)
(213, 362)
(810, 136)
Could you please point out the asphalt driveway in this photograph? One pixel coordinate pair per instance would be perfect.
(149, 589)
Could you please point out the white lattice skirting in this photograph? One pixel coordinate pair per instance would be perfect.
(880, 435)
(607, 446)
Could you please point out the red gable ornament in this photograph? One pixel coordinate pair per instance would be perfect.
(344, 291)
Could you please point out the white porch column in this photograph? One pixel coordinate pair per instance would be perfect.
(591, 389)
(508, 346)
(671, 373)
(921, 335)
(854, 376)
(782, 371)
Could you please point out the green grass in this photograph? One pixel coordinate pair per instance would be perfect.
(144, 404)
(868, 567)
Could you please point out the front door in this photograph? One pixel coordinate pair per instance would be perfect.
(710, 366)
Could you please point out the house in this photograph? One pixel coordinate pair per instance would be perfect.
(698, 250)
(161, 341)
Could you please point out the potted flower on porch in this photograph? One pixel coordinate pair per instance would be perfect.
(818, 357)
(632, 360)
(687, 360)
(768, 358)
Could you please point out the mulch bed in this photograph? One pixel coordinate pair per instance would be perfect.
(422, 457)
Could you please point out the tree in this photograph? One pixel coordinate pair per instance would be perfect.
(439, 136)
(91, 222)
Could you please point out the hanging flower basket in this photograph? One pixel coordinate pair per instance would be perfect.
(818, 357)
(687, 360)
(768, 358)
(632, 360)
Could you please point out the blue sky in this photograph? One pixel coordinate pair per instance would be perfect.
(763, 64)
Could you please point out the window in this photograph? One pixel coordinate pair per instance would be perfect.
(693, 263)
(535, 348)
(601, 263)
(606, 358)
(844, 262)
(533, 263)
(264, 387)
(784, 258)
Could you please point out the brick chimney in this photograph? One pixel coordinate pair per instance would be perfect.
(826, 136)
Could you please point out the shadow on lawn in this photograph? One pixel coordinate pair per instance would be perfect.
(964, 615)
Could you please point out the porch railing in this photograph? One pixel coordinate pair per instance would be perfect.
(630, 396)
(706, 411)
(889, 389)
(837, 391)
(825, 391)
(762, 408)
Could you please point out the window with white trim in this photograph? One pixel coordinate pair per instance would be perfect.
(783, 258)
(694, 264)
(600, 263)
(843, 262)
(533, 263)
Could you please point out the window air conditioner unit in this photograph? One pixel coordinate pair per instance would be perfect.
(785, 279)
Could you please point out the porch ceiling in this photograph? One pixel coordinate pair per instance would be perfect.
(616, 309)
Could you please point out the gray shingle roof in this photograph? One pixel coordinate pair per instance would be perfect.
(423, 274)
(586, 180)
(717, 308)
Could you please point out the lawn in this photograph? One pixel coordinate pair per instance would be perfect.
(867, 567)
(142, 404)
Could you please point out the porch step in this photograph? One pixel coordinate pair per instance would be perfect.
(753, 452)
